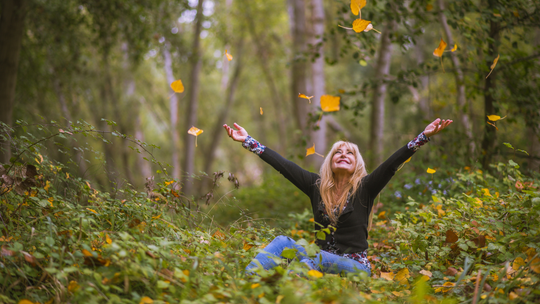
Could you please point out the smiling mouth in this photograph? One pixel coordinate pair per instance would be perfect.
(342, 161)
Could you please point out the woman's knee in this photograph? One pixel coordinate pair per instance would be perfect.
(283, 239)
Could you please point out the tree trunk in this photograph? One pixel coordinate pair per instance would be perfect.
(421, 95)
(191, 113)
(217, 131)
(488, 141)
(317, 73)
(460, 85)
(173, 104)
(144, 165)
(11, 36)
(379, 95)
(299, 78)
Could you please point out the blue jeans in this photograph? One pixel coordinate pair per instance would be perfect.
(324, 261)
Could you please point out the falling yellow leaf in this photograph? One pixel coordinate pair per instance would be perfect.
(330, 103)
(493, 125)
(312, 151)
(431, 171)
(177, 86)
(357, 5)
(360, 25)
(305, 97)
(454, 48)
(229, 56)
(387, 275)
(493, 65)
(495, 117)
(73, 286)
(440, 50)
(195, 132)
(146, 300)
(314, 273)
(255, 285)
(108, 239)
(261, 111)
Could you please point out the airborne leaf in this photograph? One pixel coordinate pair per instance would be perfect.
(229, 56)
(454, 48)
(312, 151)
(431, 171)
(360, 25)
(357, 5)
(305, 97)
(177, 86)
(493, 65)
(440, 49)
(195, 132)
(261, 110)
(330, 103)
(495, 117)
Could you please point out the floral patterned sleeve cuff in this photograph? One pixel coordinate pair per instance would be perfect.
(417, 142)
(253, 145)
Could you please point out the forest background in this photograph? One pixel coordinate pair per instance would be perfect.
(93, 79)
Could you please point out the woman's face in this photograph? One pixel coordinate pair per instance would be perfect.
(344, 161)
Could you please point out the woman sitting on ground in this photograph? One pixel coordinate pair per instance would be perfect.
(341, 197)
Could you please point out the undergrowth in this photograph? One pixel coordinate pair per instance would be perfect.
(63, 240)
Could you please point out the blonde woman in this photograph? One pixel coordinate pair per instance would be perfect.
(341, 195)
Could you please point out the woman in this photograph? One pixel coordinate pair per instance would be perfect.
(341, 197)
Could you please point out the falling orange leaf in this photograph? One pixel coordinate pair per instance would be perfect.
(177, 86)
(454, 48)
(330, 103)
(261, 111)
(440, 49)
(312, 151)
(229, 56)
(195, 132)
(493, 65)
(431, 171)
(305, 97)
(493, 125)
(357, 5)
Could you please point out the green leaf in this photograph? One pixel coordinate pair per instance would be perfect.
(321, 235)
(513, 164)
(508, 145)
(523, 151)
(289, 253)
(162, 284)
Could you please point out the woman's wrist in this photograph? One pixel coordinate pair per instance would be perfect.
(253, 145)
(418, 141)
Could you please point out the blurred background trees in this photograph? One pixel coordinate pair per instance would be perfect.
(110, 64)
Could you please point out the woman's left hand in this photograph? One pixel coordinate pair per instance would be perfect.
(436, 126)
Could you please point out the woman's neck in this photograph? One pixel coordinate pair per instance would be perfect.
(340, 184)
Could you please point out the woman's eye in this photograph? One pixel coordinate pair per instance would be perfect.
(350, 153)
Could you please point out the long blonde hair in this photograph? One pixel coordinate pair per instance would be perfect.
(326, 181)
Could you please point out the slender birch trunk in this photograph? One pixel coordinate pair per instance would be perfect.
(193, 99)
(173, 108)
(379, 95)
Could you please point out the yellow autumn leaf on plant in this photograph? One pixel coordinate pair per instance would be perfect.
(177, 86)
(108, 239)
(440, 49)
(229, 56)
(518, 262)
(314, 273)
(51, 200)
(454, 48)
(195, 132)
(47, 186)
(25, 301)
(486, 192)
(261, 111)
(493, 65)
(357, 5)
(312, 151)
(86, 253)
(402, 276)
(535, 265)
(330, 103)
(247, 246)
(360, 25)
(73, 286)
(387, 275)
(255, 285)
(92, 210)
(305, 97)
(146, 300)
(429, 7)
(431, 171)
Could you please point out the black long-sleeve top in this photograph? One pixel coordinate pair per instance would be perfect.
(351, 232)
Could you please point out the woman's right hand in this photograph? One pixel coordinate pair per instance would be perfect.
(239, 134)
